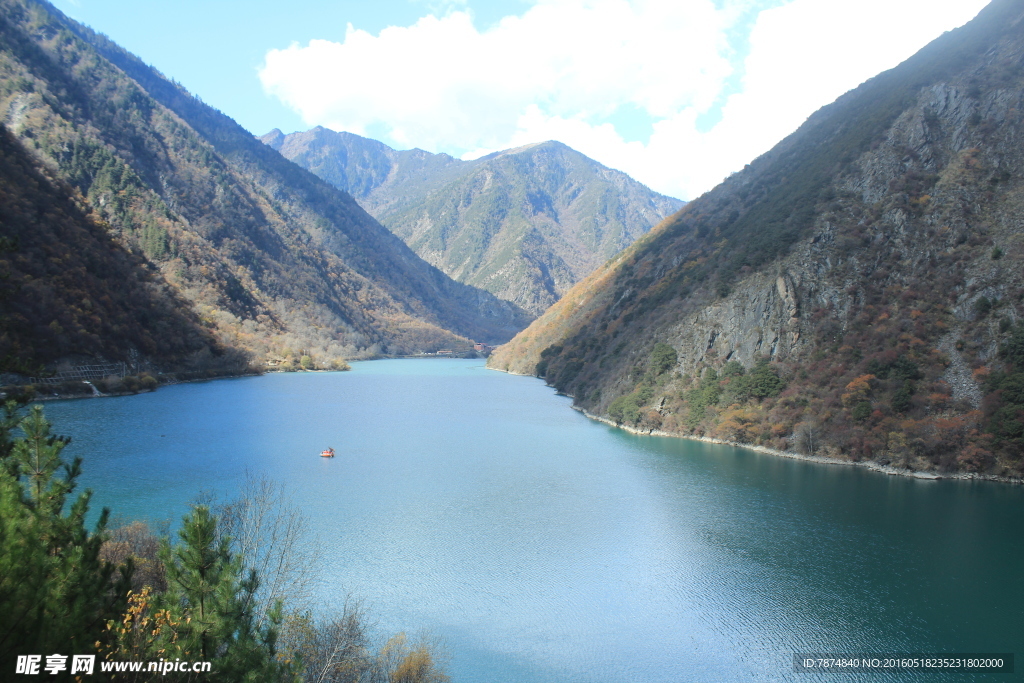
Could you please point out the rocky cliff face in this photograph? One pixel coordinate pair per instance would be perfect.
(525, 224)
(861, 283)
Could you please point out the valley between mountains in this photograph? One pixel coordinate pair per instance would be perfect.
(855, 292)
(854, 295)
(233, 258)
(525, 224)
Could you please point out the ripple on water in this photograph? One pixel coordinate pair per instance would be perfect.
(543, 546)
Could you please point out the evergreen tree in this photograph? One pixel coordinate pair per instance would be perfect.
(210, 607)
(663, 358)
(765, 380)
(56, 594)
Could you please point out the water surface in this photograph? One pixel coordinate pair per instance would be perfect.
(545, 547)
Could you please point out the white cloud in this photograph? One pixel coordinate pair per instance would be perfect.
(564, 66)
(806, 54)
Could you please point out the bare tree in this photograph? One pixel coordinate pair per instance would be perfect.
(270, 534)
(808, 437)
(335, 650)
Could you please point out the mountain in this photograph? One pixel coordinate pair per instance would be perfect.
(272, 259)
(525, 224)
(68, 289)
(856, 292)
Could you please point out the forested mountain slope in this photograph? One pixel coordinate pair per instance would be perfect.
(525, 224)
(856, 292)
(272, 258)
(68, 290)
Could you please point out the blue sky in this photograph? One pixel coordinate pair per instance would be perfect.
(216, 47)
(677, 93)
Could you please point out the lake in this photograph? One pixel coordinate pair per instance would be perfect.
(544, 547)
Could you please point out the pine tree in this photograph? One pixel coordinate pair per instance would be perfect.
(210, 606)
(56, 594)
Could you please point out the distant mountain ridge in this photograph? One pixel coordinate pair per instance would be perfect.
(856, 292)
(525, 224)
(271, 258)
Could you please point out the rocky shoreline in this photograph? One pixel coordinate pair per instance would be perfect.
(820, 459)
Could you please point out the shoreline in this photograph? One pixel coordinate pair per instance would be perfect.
(792, 455)
(68, 397)
(819, 459)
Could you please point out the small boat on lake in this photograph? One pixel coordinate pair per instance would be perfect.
(327, 453)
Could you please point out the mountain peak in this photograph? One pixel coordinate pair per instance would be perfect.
(523, 223)
(274, 138)
(530, 147)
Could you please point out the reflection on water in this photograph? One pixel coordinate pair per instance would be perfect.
(543, 546)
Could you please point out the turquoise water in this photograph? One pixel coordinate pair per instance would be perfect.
(545, 547)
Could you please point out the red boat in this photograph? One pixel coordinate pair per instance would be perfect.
(327, 453)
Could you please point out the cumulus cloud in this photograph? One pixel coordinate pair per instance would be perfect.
(563, 68)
